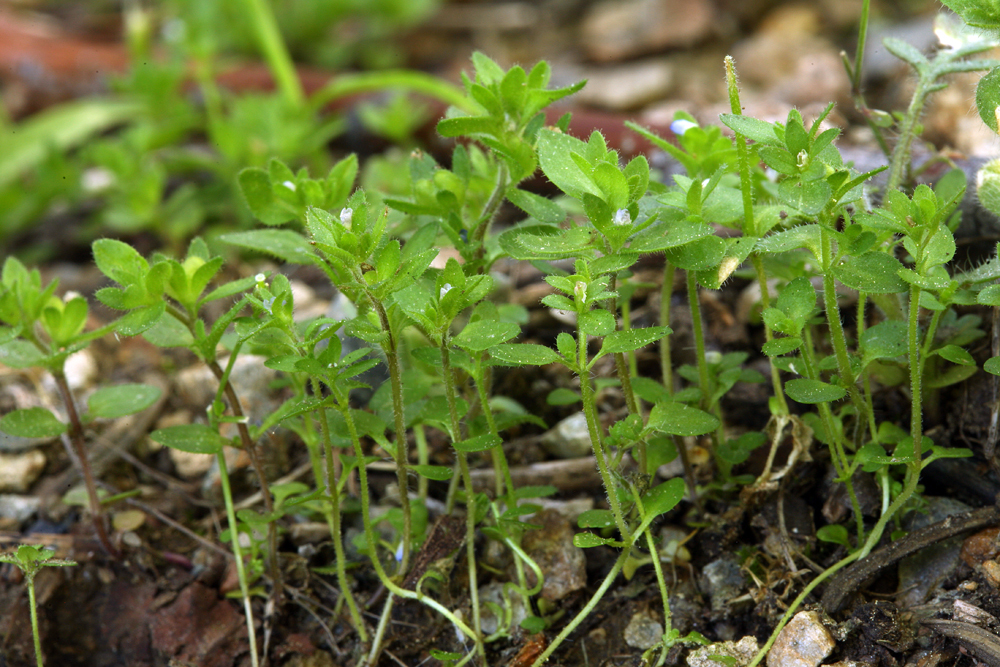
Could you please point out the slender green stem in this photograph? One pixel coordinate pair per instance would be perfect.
(899, 164)
(837, 336)
(234, 538)
(79, 447)
(372, 541)
(820, 578)
(470, 495)
(35, 634)
(699, 339)
(402, 467)
(765, 303)
(275, 52)
(666, 292)
(334, 518)
(916, 368)
(841, 463)
(594, 426)
(500, 464)
(423, 458)
(742, 151)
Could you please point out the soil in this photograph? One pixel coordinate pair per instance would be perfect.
(168, 600)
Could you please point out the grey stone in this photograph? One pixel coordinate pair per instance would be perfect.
(619, 29)
(569, 439)
(643, 631)
(804, 642)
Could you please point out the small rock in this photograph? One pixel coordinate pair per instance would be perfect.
(569, 439)
(619, 29)
(81, 369)
(628, 87)
(722, 581)
(19, 471)
(18, 509)
(489, 620)
(742, 652)
(643, 631)
(804, 642)
(562, 563)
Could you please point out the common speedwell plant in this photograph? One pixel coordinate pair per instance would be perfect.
(801, 219)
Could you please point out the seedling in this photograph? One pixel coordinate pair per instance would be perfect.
(30, 560)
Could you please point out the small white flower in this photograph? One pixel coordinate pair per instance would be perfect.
(399, 552)
(289, 185)
(802, 159)
(580, 290)
(622, 217)
(680, 126)
(260, 277)
(444, 290)
(346, 216)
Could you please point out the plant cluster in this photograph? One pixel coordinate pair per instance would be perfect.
(802, 221)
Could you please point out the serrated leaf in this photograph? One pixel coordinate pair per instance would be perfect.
(873, 272)
(121, 400)
(538, 207)
(191, 438)
(284, 244)
(255, 186)
(679, 419)
(629, 340)
(779, 346)
(481, 335)
(524, 354)
(813, 391)
(32, 423)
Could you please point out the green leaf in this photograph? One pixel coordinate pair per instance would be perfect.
(284, 244)
(758, 130)
(119, 261)
(596, 519)
(597, 322)
(700, 255)
(885, 340)
(191, 438)
(121, 400)
(555, 151)
(562, 396)
(955, 355)
(779, 346)
(628, 340)
(255, 186)
(588, 540)
(988, 97)
(32, 423)
(873, 272)
(19, 353)
(813, 391)
(992, 365)
(977, 13)
(140, 319)
(834, 533)
(679, 419)
(436, 473)
(663, 497)
(538, 207)
(524, 354)
(906, 52)
(483, 334)
(479, 443)
(809, 197)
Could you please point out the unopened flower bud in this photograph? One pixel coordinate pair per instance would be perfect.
(681, 125)
(289, 185)
(988, 186)
(622, 217)
(580, 291)
(346, 217)
(444, 290)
